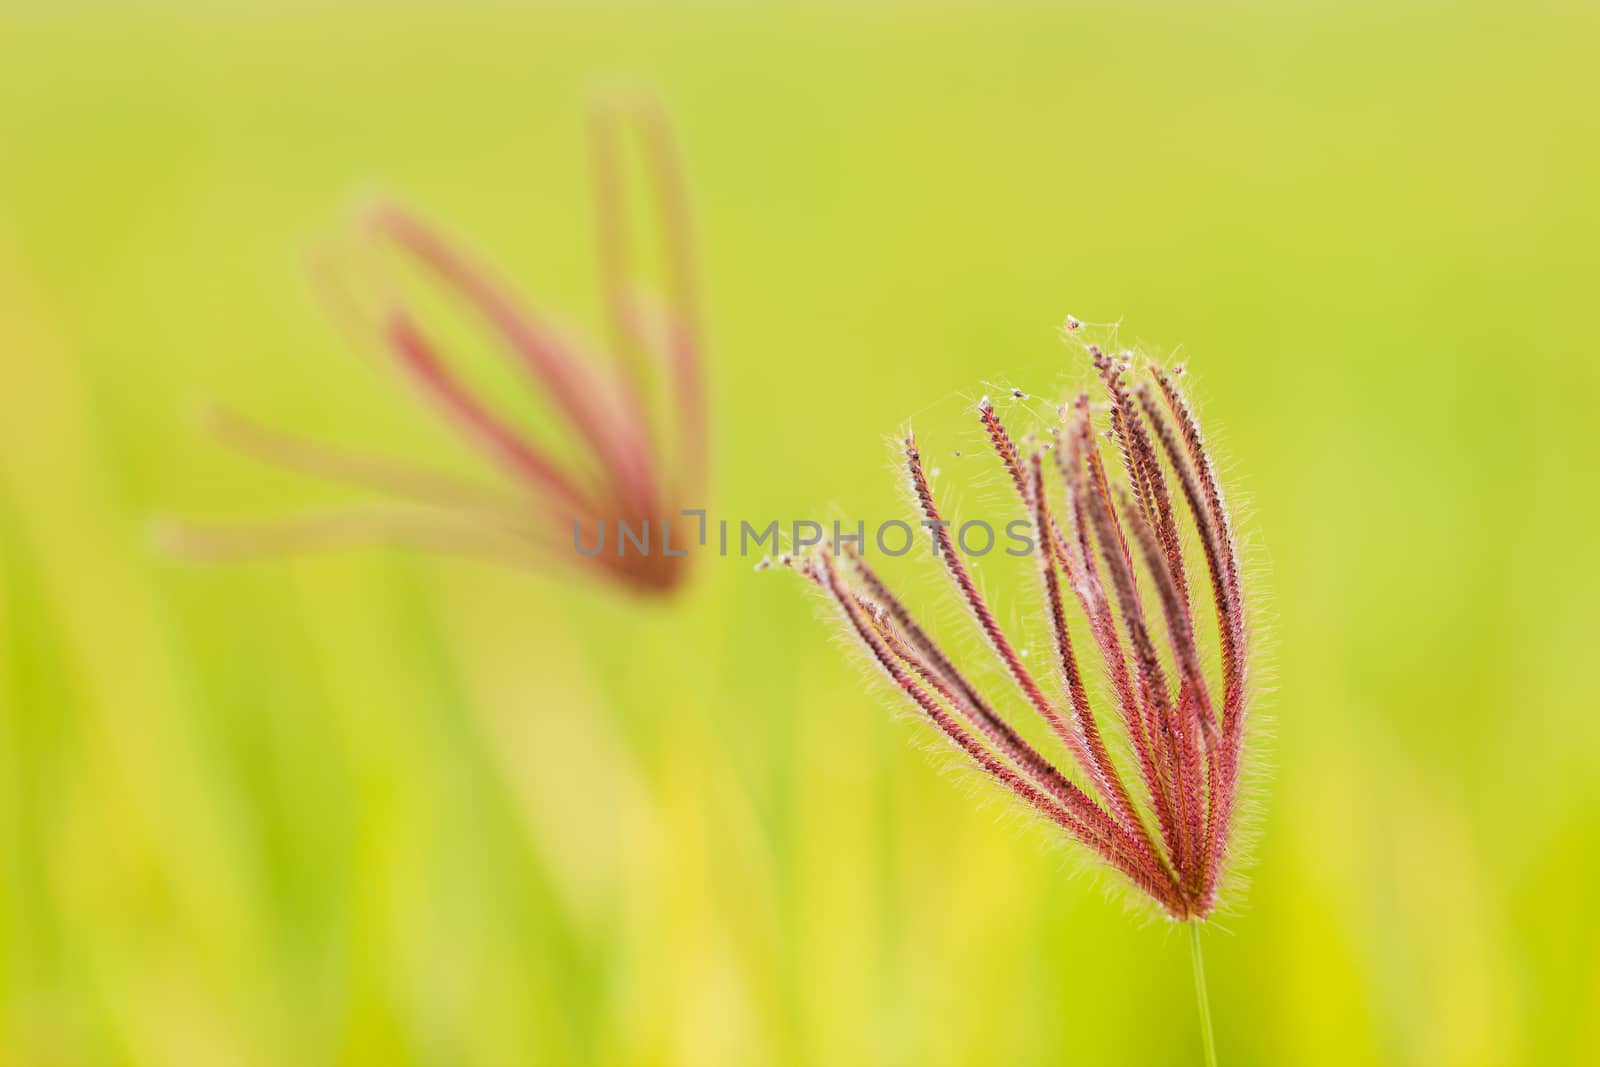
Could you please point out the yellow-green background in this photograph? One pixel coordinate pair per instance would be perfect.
(370, 809)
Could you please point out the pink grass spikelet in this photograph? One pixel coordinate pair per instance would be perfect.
(1113, 556)
(631, 428)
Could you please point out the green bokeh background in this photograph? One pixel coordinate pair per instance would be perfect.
(371, 809)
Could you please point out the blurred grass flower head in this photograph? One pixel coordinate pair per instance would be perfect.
(1124, 550)
(628, 447)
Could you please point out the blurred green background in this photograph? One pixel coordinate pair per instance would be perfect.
(373, 809)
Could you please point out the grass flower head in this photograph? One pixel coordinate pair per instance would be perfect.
(1139, 558)
(629, 431)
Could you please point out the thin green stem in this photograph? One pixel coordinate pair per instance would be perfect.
(1206, 1037)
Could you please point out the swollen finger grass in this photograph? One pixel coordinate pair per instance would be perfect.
(1120, 542)
(627, 461)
